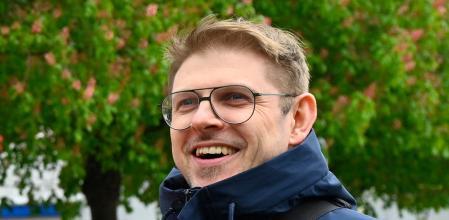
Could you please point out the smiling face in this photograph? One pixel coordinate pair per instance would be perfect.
(212, 150)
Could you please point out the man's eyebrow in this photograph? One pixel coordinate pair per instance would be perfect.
(205, 88)
(193, 90)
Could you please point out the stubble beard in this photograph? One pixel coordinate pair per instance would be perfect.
(210, 173)
(206, 175)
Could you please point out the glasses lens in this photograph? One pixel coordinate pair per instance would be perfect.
(178, 109)
(233, 104)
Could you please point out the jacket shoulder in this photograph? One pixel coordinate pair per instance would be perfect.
(345, 214)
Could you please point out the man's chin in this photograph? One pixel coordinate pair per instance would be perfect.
(202, 182)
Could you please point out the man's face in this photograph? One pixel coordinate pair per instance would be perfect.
(242, 146)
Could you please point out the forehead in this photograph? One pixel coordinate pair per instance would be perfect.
(220, 67)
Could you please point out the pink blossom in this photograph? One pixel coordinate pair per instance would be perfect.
(66, 74)
(397, 124)
(161, 37)
(267, 20)
(411, 81)
(103, 14)
(151, 10)
(416, 34)
(407, 57)
(120, 23)
(109, 35)
(5, 30)
(16, 25)
(432, 77)
(76, 85)
(439, 5)
(104, 27)
(404, 8)
(410, 65)
(65, 33)
(230, 10)
(57, 13)
(442, 10)
(37, 27)
(154, 69)
(247, 2)
(75, 57)
(91, 119)
(113, 97)
(121, 43)
(1, 143)
(370, 91)
(345, 2)
(89, 92)
(135, 102)
(348, 22)
(401, 47)
(19, 87)
(143, 43)
(50, 58)
(90, 89)
(65, 101)
(340, 103)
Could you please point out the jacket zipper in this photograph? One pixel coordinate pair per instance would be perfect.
(188, 193)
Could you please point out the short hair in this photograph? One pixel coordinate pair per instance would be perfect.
(283, 49)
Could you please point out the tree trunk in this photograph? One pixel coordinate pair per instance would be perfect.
(102, 190)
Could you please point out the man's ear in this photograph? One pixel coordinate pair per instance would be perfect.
(304, 112)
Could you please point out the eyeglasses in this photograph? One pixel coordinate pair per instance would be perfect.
(234, 104)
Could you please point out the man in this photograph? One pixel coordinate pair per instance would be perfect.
(241, 124)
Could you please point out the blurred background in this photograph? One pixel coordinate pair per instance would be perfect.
(81, 134)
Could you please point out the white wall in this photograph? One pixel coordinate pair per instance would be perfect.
(49, 181)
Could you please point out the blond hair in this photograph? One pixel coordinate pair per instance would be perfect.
(282, 48)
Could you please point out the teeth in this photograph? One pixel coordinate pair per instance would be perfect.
(214, 150)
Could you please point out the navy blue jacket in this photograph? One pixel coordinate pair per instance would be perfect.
(273, 187)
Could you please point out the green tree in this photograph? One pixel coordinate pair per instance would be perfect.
(80, 84)
(380, 72)
(89, 75)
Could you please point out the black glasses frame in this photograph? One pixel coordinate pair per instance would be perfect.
(208, 98)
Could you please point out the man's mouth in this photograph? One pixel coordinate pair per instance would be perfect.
(213, 152)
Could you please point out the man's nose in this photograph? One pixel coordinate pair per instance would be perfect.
(205, 118)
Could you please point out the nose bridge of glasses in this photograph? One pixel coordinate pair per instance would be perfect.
(204, 114)
(206, 98)
(200, 99)
(202, 95)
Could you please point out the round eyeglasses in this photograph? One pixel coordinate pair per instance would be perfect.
(234, 104)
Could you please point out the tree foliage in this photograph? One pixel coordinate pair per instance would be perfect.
(81, 81)
(80, 84)
(380, 72)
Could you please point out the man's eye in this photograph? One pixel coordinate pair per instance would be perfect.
(185, 104)
(236, 98)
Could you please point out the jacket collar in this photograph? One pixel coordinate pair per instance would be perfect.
(272, 187)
